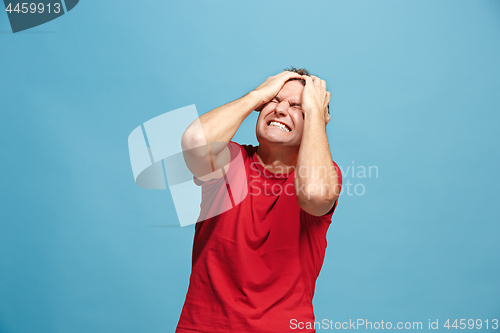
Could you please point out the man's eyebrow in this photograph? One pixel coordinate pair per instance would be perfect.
(291, 103)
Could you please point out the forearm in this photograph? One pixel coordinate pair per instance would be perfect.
(217, 127)
(316, 180)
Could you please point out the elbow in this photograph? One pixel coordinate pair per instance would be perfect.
(318, 194)
(192, 138)
(316, 202)
(194, 146)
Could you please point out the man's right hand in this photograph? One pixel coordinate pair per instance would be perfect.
(271, 87)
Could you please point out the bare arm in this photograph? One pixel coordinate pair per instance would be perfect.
(316, 180)
(204, 143)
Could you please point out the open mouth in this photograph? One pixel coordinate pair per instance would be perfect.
(279, 125)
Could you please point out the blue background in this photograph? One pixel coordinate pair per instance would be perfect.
(415, 92)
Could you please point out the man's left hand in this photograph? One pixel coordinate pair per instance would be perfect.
(315, 97)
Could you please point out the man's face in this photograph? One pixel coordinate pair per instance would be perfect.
(281, 120)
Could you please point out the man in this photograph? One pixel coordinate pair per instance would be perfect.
(255, 265)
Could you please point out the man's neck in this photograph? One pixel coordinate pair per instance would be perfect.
(278, 159)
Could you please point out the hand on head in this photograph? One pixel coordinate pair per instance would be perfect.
(315, 97)
(272, 85)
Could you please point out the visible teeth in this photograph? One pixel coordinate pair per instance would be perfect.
(279, 125)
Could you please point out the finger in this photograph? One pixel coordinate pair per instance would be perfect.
(281, 74)
(328, 97)
(319, 83)
(308, 79)
(289, 73)
(293, 75)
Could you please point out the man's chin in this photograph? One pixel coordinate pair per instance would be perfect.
(277, 141)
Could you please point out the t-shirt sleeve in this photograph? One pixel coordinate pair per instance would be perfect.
(221, 194)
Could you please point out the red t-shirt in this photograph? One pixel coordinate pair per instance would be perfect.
(255, 265)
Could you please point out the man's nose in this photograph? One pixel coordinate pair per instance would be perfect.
(282, 108)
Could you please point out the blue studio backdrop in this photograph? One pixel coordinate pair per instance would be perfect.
(415, 128)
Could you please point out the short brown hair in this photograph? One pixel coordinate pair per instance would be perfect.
(300, 71)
